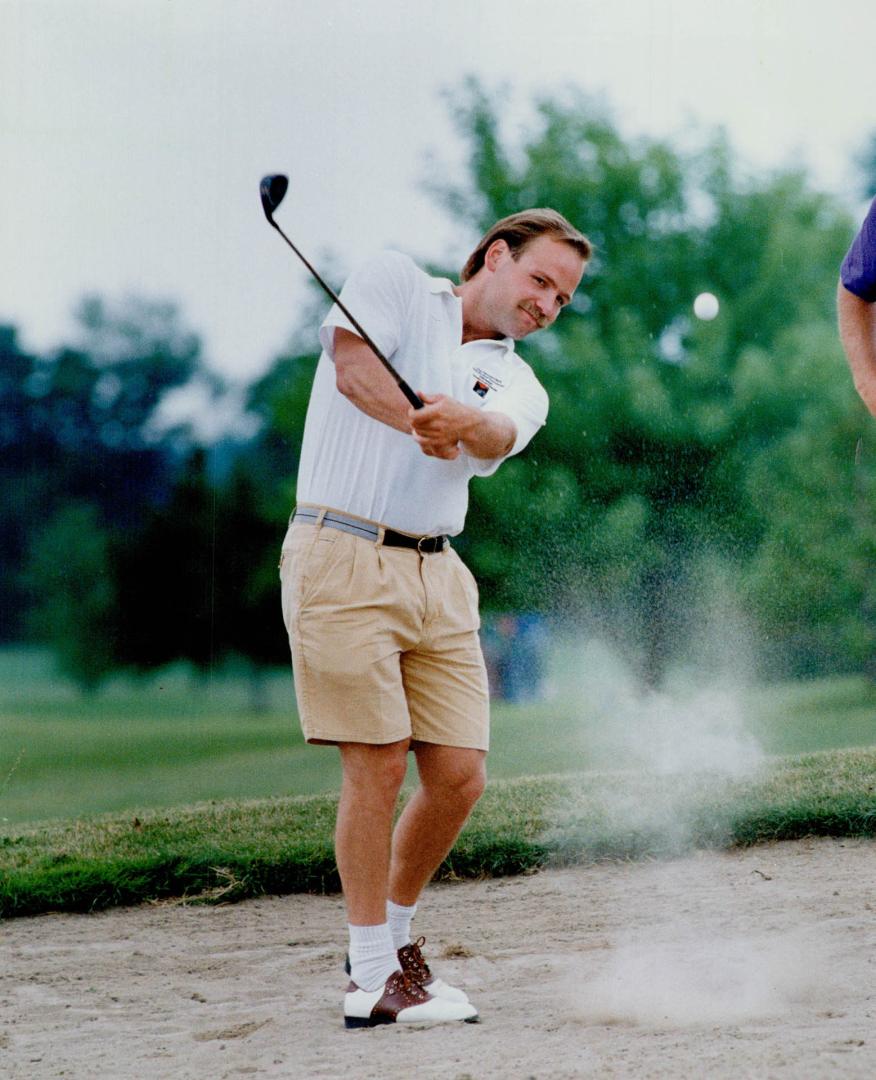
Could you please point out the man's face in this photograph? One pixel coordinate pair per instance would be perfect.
(527, 293)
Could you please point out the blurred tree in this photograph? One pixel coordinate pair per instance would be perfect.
(248, 615)
(672, 443)
(199, 581)
(656, 417)
(75, 601)
(79, 427)
(279, 399)
(167, 579)
(865, 161)
(22, 486)
(657, 420)
(103, 401)
(813, 576)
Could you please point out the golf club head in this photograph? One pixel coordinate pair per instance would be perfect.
(272, 189)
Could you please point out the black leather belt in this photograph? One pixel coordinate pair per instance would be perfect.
(331, 519)
(426, 545)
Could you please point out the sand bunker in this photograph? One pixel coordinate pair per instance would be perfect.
(756, 963)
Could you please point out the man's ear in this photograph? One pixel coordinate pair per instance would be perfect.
(495, 253)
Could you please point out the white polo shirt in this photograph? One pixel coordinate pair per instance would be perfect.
(353, 463)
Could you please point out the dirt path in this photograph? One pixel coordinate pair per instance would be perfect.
(755, 964)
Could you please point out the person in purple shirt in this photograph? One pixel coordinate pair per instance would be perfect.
(856, 307)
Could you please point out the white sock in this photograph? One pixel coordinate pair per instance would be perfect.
(372, 955)
(399, 918)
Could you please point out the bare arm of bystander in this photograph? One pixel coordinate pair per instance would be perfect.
(857, 326)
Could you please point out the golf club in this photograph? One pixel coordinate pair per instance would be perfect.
(272, 189)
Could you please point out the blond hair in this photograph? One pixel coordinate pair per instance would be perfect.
(518, 230)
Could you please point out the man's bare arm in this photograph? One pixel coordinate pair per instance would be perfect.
(364, 381)
(443, 428)
(857, 327)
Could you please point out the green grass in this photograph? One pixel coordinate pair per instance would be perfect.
(172, 740)
(231, 851)
(170, 786)
(161, 741)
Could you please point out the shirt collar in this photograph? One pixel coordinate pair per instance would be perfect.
(439, 285)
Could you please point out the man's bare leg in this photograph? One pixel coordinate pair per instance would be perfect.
(372, 777)
(452, 780)
(379, 991)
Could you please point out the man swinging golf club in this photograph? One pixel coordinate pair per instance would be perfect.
(382, 615)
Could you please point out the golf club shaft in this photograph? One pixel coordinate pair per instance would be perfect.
(402, 385)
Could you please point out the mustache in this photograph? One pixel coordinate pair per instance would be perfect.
(536, 314)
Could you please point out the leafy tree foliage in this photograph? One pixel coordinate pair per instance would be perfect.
(673, 446)
(70, 574)
(198, 581)
(21, 486)
(167, 579)
(866, 163)
(249, 617)
(659, 421)
(814, 488)
(77, 431)
(279, 399)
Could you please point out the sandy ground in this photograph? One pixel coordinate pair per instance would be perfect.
(757, 963)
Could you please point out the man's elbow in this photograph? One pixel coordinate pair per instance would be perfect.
(502, 442)
(510, 437)
(347, 382)
(508, 445)
(342, 382)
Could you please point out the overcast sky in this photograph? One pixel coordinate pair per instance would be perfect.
(134, 132)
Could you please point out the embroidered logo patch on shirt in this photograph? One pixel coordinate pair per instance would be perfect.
(485, 381)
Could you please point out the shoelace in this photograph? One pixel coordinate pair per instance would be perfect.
(401, 983)
(413, 960)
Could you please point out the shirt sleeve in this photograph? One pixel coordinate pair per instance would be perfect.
(378, 294)
(858, 271)
(526, 402)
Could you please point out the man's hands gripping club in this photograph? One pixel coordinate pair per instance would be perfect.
(443, 428)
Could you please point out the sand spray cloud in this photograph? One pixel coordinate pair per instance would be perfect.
(671, 754)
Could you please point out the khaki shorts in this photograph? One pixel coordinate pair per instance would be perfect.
(384, 641)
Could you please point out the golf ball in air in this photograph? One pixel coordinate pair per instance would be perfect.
(706, 306)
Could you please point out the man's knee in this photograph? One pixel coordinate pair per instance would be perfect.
(474, 783)
(461, 774)
(376, 769)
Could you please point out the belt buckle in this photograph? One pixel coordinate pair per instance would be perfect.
(431, 540)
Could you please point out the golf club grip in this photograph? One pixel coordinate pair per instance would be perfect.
(413, 399)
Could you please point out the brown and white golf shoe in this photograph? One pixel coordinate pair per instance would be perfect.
(414, 965)
(402, 1001)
